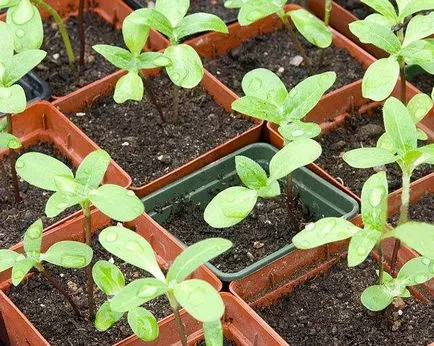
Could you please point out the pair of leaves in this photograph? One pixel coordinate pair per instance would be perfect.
(268, 99)
(50, 174)
(234, 204)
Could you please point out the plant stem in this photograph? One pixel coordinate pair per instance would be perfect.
(152, 97)
(327, 13)
(59, 288)
(12, 160)
(380, 264)
(403, 84)
(81, 31)
(62, 29)
(179, 325)
(89, 279)
(175, 103)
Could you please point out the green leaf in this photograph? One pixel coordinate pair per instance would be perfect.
(417, 271)
(230, 207)
(137, 293)
(421, 135)
(131, 248)
(427, 155)
(106, 317)
(257, 108)
(9, 141)
(376, 298)
(374, 202)
(380, 79)
(186, 70)
(297, 130)
(108, 277)
(196, 255)
(174, 10)
(419, 27)
(40, 170)
(399, 126)
(305, 95)
(199, 22)
(69, 254)
(33, 239)
(384, 142)
(271, 190)
(135, 30)
(368, 157)
(151, 60)
(8, 259)
(69, 185)
(213, 332)
(408, 7)
(251, 173)
(382, 6)
(252, 11)
(143, 323)
(361, 244)
(289, 159)
(324, 231)
(380, 19)
(200, 299)
(265, 85)
(419, 106)
(312, 29)
(235, 3)
(119, 57)
(129, 87)
(60, 201)
(20, 269)
(117, 202)
(93, 168)
(21, 64)
(417, 235)
(420, 53)
(7, 50)
(377, 34)
(12, 99)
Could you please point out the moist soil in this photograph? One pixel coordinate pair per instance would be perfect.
(356, 7)
(54, 318)
(275, 51)
(424, 82)
(54, 69)
(356, 132)
(226, 342)
(327, 310)
(16, 218)
(422, 211)
(208, 6)
(132, 133)
(269, 227)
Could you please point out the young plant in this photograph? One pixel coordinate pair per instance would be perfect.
(385, 30)
(398, 144)
(84, 189)
(196, 296)
(417, 235)
(267, 99)
(66, 254)
(310, 27)
(12, 97)
(235, 203)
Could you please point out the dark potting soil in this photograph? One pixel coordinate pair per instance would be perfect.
(327, 310)
(270, 226)
(226, 342)
(359, 131)
(424, 82)
(356, 7)
(422, 211)
(54, 318)
(16, 218)
(55, 69)
(135, 138)
(208, 6)
(274, 51)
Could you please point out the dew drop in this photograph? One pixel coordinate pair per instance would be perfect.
(426, 261)
(111, 237)
(73, 261)
(20, 33)
(361, 251)
(34, 232)
(14, 144)
(19, 164)
(18, 46)
(255, 84)
(146, 291)
(298, 133)
(162, 61)
(327, 228)
(309, 227)
(134, 246)
(376, 196)
(420, 278)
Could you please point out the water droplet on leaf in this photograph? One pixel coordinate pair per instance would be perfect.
(297, 133)
(134, 246)
(426, 261)
(34, 232)
(19, 33)
(420, 278)
(73, 261)
(310, 226)
(111, 237)
(19, 163)
(255, 84)
(327, 228)
(376, 196)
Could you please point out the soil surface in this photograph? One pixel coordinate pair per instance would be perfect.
(226, 342)
(422, 211)
(275, 51)
(55, 68)
(359, 131)
(133, 135)
(327, 310)
(208, 6)
(356, 7)
(16, 218)
(269, 227)
(424, 82)
(53, 316)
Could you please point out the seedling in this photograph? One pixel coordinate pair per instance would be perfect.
(196, 296)
(12, 97)
(385, 30)
(398, 144)
(234, 204)
(267, 99)
(84, 189)
(169, 18)
(310, 27)
(66, 254)
(417, 235)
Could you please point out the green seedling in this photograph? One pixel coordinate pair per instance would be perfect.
(84, 189)
(398, 144)
(385, 30)
(417, 235)
(196, 296)
(12, 97)
(310, 27)
(234, 204)
(267, 99)
(25, 21)
(169, 17)
(66, 254)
